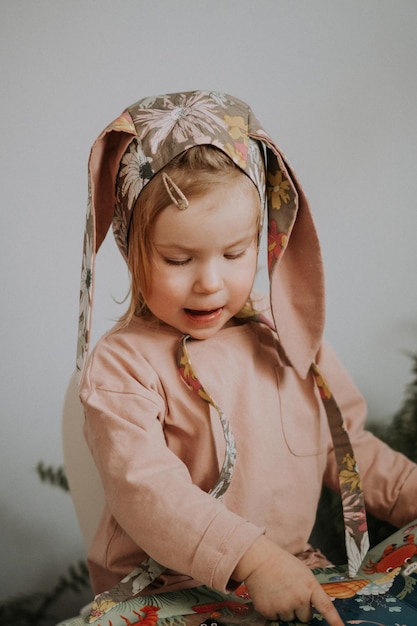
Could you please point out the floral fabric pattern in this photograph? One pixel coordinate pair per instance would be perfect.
(354, 513)
(128, 587)
(276, 244)
(192, 381)
(135, 171)
(180, 117)
(86, 288)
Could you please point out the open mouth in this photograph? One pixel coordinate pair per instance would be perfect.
(208, 316)
(199, 313)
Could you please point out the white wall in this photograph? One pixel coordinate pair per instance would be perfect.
(334, 82)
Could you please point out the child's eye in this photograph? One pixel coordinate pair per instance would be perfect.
(176, 261)
(234, 255)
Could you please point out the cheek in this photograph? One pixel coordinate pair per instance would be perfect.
(244, 275)
(252, 262)
(166, 284)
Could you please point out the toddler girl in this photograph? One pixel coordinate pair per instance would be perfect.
(214, 414)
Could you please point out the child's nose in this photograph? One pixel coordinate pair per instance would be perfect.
(209, 279)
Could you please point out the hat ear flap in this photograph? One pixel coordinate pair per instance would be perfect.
(295, 265)
(297, 292)
(104, 163)
(103, 167)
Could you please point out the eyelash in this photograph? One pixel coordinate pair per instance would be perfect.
(172, 262)
(233, 257)
(229, 257)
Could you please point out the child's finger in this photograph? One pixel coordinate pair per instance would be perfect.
(321, 601)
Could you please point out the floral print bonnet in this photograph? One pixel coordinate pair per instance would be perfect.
(147, 136)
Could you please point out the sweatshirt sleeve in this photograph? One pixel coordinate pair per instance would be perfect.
(149, 490)
(389, 478)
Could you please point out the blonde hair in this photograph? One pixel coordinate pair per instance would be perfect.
(194, 172)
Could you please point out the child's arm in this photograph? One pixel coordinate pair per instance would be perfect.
(282, 586)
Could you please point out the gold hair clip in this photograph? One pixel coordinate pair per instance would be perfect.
(175, 192)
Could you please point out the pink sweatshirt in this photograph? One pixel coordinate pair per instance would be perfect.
(159, 448)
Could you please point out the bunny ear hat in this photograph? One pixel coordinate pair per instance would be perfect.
(144, 139)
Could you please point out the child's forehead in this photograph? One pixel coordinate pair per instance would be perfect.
(230, 206)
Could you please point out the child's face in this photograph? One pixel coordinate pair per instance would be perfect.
(205, 258)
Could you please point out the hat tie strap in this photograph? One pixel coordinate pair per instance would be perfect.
(353, 503)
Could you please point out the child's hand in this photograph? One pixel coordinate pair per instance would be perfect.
(281, 586)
